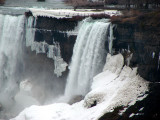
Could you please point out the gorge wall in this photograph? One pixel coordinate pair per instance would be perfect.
(141, 35)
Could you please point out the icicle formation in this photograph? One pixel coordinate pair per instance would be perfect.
(111, 38)
(52, 51)
(88, 56)
(11, 38)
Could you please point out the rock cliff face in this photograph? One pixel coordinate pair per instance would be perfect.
(52, 29)
(141, 35)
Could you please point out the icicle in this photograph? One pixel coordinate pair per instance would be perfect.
(111, 38)
(128, 59)
(153, 54)
(52, 51)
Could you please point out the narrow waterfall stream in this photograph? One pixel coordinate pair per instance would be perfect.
(88, 56)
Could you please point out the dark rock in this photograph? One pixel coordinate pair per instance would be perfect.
(41, 0)
(147, 109)
(2, 2)
(143, 39)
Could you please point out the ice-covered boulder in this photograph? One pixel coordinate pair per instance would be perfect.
(115, 86)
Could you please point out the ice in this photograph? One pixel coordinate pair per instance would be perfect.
(109, 90)
(52, 51)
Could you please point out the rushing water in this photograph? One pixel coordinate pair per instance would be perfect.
(11, 39)
(88, 56)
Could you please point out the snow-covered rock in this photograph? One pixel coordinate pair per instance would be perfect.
(115, 86)
(69, 13)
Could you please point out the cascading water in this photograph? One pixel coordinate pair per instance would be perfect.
(88, 56)
(11, 67)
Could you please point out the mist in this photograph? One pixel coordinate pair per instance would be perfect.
(26, 78)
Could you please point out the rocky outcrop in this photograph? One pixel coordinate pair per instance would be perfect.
(141, 35)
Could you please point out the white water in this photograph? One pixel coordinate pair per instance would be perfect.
(11, 37)
(88, 56)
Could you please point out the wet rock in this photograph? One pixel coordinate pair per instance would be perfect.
(142, 40)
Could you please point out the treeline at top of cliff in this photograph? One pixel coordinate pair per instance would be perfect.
(112, 4)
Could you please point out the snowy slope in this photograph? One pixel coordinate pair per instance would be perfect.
(116, 86)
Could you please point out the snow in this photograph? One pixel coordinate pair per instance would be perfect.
(69, 13)
(115, 86)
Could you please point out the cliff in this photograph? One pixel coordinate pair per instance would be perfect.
(139, 32)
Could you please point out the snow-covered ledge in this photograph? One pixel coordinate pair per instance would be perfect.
(69, 13)
(115, 86)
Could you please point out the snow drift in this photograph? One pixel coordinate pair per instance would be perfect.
(117, 85)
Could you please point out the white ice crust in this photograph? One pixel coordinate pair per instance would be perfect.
(69, 13)
(115, 86)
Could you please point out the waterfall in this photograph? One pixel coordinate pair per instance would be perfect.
(88, 56)
(11, 62)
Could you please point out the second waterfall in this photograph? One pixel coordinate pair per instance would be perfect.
(88, 56)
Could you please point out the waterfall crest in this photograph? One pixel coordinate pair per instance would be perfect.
(88, 56)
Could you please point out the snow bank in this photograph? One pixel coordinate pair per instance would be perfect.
(116, 86)
(69, 13)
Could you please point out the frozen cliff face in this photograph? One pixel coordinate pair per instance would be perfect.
(109, 89)
(53, 51)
